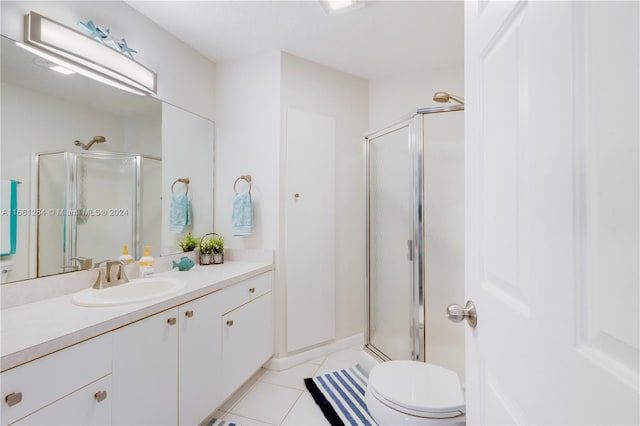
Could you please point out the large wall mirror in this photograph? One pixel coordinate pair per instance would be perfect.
(84, 200)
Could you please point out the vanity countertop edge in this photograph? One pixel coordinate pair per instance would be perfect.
(37, 329)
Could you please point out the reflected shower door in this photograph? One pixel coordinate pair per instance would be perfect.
(390, 232)
(105, 206)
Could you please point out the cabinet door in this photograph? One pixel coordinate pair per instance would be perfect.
(90, 405)
(200, 356)
(145, 371)
(247, 341)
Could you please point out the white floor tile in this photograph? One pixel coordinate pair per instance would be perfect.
(267, 403)
(292, 377)
(244, 421)
(219, 414)
(326, 369)
(317, 361)
(305, 412)
(343, 359)
(237, 396)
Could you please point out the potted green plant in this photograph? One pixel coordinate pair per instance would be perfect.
(188, 243)
(211, 249)
(217, 243)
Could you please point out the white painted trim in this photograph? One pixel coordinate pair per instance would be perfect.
(283, 363)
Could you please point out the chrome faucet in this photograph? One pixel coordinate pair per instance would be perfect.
(113, 275)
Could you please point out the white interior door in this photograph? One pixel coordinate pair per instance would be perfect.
(551, 201)
(310, 218)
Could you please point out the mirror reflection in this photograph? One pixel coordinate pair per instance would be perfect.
(88, 159)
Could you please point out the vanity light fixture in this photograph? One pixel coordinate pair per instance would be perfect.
(82, 54)
(339, 6)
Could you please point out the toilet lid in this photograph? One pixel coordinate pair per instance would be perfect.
(418, 388)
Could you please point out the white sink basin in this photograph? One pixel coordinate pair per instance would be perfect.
(138, 290)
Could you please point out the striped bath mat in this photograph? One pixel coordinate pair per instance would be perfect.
(340, 396)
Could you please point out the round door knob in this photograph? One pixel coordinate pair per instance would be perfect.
(230, 323)
(189, 313)
(457, 313)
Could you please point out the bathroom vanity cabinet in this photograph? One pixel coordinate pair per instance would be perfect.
(173, 367)
(180, 364)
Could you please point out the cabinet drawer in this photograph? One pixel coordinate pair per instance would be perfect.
(90, 405)
(246, 291)
(40, 382)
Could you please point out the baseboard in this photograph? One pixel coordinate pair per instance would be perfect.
(283, 363)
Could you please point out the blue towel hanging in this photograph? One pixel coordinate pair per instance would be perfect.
(242, 212)
(9, 217)
(179, 213)
(242, 215)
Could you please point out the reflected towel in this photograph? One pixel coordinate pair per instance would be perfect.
(179, 213)
(8, 217)
(242, 214)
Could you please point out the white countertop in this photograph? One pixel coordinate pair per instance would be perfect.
(37, 329)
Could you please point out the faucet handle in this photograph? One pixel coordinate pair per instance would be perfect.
(84, 262)
(98, 264)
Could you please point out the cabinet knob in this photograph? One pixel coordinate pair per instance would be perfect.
(13, 398)
(171, 321)
(188, 314)
(100, 396)
(230, 323)
(252, 290)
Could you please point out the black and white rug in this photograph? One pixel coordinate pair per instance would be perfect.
(340, 396)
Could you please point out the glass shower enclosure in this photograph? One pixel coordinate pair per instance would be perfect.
(91, 203)
(404, 165)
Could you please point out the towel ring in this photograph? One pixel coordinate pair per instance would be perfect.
(246, 178)
(183, 180)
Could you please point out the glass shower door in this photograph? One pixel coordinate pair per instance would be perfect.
(390, 242)
(103, 205)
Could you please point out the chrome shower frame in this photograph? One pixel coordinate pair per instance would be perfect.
(416, 320)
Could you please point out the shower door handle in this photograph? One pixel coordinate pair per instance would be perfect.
(409, 249)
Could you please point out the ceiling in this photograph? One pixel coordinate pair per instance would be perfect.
(382, 38)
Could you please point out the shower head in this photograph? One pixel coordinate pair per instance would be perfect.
(446, 97)
(96, 139)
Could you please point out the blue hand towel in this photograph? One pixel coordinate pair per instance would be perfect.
(242, 214)
(9, 218)
(179, 213)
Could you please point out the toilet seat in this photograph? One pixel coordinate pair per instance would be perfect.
(417, 389)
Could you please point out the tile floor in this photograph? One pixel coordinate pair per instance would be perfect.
(280, 397)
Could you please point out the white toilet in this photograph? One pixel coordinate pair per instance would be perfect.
(414, 393)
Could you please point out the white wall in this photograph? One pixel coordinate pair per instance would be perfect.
(394, 96)
(315, 88)
(185, 78)
(248, 143)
